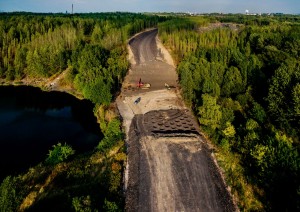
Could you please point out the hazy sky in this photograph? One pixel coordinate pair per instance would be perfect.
(200, 6)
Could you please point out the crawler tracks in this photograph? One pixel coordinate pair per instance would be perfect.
(170, 167)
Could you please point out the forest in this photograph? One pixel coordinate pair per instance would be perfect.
(91, 47)
(242, 79)
(240, 75)
(91, 50)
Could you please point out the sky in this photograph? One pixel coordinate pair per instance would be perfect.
(194, 6)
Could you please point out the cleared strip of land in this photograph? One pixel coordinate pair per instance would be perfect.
(170, 167)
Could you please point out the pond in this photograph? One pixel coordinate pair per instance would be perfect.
(32, 121)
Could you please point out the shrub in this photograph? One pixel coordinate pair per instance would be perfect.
(8, 198)
(82, 204)
(59, 153)
(112, 134)
(110, 206)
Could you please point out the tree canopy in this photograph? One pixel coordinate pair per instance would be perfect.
(93, 46)
(240, 74)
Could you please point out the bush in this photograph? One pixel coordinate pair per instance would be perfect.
(110, 206)
(9, 200)
(82, 204)
(113, 129)
(112, 134)
(59, 153)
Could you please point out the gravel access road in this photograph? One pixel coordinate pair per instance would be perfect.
(170, 166)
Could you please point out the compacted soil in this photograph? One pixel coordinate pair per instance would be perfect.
(170, 166)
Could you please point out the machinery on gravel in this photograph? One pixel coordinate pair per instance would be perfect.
(143, 85)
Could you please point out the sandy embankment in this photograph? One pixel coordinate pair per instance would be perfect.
(165, 54)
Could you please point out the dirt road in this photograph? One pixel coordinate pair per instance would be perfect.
(170, 167)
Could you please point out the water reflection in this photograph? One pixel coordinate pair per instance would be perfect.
(31, 121)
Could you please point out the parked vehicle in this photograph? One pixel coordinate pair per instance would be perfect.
(137, 100)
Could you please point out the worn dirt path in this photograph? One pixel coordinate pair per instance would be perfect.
(170, 167)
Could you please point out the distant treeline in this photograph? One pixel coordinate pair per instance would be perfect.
(243, 83)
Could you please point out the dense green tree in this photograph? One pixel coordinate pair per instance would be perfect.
(98, 91)
(232, 83)
(9, 198)
(82, 204)
(186, 79)
(110, 206)
(20, 62)
(112, 134)
(296, 99)
(229, 131)
(279, 96)
(258, 113)
(210, 113)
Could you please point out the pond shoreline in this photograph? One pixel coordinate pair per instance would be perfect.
(45, 84)
(66, 128)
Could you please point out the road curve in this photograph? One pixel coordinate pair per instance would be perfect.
(143, 48)
(170, 167)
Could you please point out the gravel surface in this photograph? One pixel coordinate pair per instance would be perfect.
(170, 166)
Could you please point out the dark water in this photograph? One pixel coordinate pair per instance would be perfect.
(32, 121)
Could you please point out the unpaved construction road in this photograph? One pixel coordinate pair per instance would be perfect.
(170, 167)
